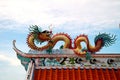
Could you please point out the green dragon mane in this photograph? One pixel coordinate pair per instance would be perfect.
(35, 30)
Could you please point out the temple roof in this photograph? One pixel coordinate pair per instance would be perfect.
(71, 61)
(77, 74)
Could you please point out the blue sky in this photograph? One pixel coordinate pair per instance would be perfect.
(70, 16)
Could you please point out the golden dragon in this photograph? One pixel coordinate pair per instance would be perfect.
(101, 40)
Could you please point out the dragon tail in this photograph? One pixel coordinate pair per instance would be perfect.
(102, 40)
(107, 39)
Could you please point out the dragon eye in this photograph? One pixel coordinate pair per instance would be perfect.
(45, 31)
(48, 32)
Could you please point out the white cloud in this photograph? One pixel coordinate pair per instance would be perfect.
(58, 12)
(12, 61)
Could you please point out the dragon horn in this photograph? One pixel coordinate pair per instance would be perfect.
(50, 28)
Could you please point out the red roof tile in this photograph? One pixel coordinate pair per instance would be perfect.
(76, 74)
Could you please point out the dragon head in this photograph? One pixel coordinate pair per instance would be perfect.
(39, 35)
(44, 35)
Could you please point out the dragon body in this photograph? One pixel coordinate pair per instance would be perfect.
(51, 43)
(83, 38)
(100, 41)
